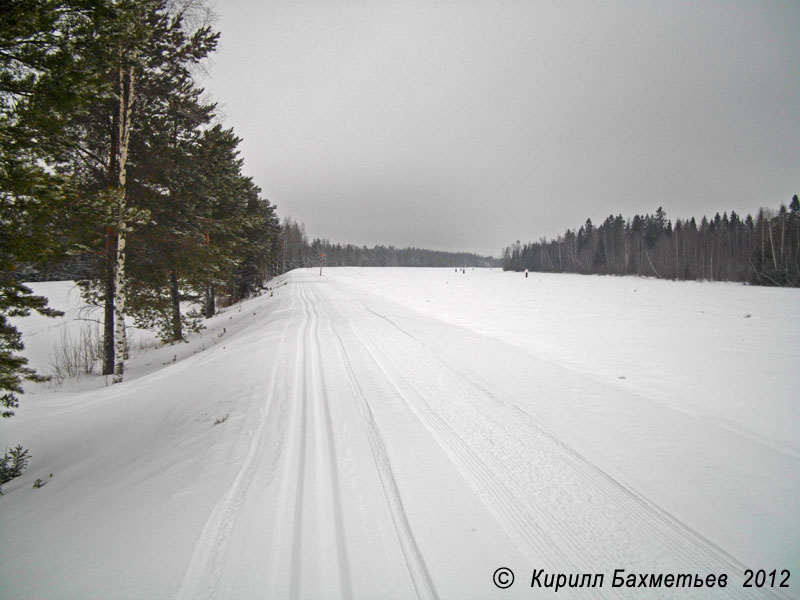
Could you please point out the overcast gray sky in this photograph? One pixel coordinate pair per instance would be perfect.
(465, 125)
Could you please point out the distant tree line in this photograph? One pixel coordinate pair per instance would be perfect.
(348, 255)
(764, 250)
(113, 165)
(297, 252)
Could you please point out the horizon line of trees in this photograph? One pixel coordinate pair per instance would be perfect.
(764, 250)
(297, 252)
(111, 158)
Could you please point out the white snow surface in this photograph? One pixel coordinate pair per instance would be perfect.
(402, 433)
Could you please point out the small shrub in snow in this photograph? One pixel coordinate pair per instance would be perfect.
(221, 420)
(146, 344)
(72, 358)
(13, 464)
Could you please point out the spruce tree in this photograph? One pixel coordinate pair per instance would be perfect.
(42, 86)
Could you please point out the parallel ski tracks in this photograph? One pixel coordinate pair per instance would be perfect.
(550, 500)
(415, 562)
(203, 573)
(563, 512)
(319, 466)
(310, 465)
(303, 456)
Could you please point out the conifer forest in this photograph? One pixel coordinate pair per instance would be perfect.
(113, 161)
(764, 250)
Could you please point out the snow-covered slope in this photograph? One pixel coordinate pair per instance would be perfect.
(397, 433)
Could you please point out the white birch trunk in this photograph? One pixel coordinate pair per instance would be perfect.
(125, 113)
(119, 310)
(772, 247)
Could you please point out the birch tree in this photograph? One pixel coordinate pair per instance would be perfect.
(142, 47)
(126, 85)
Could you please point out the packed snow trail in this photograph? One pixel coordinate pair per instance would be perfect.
(342, 437)
(380, 467)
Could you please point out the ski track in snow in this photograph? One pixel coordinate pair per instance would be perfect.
(540, 489)
(418, 571)
(316, 462)
(204, 570)
(307, 465)
(548, 499)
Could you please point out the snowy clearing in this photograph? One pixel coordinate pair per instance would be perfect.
(399, 433)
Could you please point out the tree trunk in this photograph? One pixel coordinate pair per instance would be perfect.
(677, 258)
(108, 308)
(120, 342)
(772, 248)
(111, 259)
(783, 257)
(175, 298)
(647, 254)
(703, 263)
(711, 261)
(126, 95)
(211, 306)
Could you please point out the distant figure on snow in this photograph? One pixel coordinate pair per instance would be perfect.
(526, 273)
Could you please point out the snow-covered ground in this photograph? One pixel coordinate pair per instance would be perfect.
(396, 433)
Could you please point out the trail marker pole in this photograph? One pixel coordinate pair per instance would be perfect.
(321, 262)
